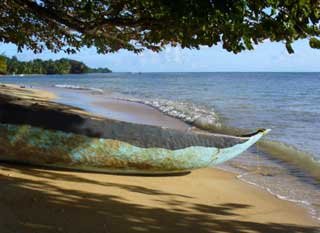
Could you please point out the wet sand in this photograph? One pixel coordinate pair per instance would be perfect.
(207, 200)
(111, 106)
(138, 113)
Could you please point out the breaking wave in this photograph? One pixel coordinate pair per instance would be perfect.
(287, 153)
(191, 113)
(76, 87)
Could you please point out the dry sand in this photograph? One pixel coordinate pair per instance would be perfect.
(207, 200)
(26, 93)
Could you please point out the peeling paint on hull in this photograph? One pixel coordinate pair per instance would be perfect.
(32, 145)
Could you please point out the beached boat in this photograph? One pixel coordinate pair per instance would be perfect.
(53, 135)
(184, 151)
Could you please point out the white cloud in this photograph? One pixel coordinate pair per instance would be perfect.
(266, 57)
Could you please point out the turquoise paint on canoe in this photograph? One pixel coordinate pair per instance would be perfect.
(39, 146)
(231, 152)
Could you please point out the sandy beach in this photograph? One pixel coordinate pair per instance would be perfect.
(207, 200)
(34, 199)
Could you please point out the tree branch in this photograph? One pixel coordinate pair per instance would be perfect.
(51, 16)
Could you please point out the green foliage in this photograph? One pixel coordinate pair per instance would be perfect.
(3, 65)
(315, 43)
(99, 70)
(78, 67)
(38, 66)
(111, 25)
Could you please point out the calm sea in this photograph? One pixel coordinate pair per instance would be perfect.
(286, 163)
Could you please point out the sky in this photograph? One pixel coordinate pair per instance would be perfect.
(270, 57)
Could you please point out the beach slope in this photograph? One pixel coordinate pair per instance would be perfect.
(34, 199)
(208, 200)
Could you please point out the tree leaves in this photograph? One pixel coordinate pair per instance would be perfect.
(3, 65)
(314, 43)
(111, 25)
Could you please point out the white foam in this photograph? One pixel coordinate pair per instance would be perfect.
(304, 203)
(188, 112)
(76, 87)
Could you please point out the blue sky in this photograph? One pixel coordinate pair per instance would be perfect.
(266, 57)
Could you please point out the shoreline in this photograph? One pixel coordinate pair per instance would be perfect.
(109, 106)
(128, 110)
(287, 214)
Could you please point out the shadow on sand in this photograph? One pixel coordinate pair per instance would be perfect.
(33, 206)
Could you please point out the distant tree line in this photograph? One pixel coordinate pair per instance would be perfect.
(38, 66)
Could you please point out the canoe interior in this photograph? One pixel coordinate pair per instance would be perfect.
(145, 136)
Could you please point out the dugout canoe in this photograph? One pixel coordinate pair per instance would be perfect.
(33, 145)
(57, 136)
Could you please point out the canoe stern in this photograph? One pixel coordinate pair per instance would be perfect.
(229, 153)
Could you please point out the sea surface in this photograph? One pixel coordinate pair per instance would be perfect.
(286, 163)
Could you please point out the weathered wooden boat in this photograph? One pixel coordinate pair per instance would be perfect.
(58, 136)
(38, 146)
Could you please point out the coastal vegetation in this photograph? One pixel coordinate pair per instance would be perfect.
(3, 65)
(112, 25)
(38, 66)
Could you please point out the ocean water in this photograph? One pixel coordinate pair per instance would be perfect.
(286, 163)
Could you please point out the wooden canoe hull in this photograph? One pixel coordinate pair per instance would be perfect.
(38, 146)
